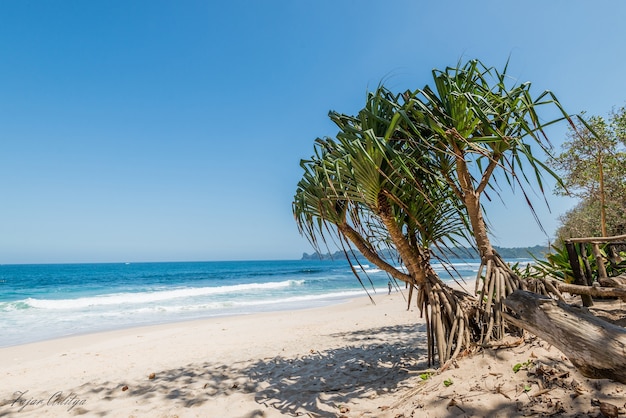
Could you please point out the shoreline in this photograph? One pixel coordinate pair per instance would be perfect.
(227, 351)
(353, 359)
(321, 303)
(74, 300)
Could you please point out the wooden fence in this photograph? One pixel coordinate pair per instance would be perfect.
(578, 247)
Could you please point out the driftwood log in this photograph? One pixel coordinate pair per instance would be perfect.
(597, 348)
(592, 291)
(617, 281)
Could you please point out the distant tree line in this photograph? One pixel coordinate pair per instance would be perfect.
(462, 253)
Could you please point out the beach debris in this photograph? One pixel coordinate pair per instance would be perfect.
(448, 382)
(452, 403)
(557, 407)
(152, 376)
(607, 409)
(498, 389)
(124, 388)
(541, 392)
(343, 409)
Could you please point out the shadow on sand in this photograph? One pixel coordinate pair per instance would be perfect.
(321, 382)
(375, 362)
(316, 383)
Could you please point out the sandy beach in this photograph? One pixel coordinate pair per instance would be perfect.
(355, 359)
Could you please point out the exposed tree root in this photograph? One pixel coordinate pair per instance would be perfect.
(492, 288)
(450, 319)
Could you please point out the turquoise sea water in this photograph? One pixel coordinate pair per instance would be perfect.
(39, 302)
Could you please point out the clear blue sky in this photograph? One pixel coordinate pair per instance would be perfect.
(172, 130)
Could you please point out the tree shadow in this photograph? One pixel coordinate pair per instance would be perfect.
(188, 386)
(377, 360)
(319, 383)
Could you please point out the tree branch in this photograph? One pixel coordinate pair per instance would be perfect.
(363, 246)
(458, 192)
(493, 163)
(596, 291)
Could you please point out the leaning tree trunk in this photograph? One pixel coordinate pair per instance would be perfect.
(450, 315)
(498, 280)
(449, 325)
(597, 348)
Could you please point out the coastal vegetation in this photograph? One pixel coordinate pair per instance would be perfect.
(592, 164)
(407, 174)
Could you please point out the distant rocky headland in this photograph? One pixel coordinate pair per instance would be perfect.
(458, 253)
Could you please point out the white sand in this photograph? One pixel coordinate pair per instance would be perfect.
(354, 360)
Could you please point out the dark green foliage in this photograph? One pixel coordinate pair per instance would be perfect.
(556, 264)
(592, 164)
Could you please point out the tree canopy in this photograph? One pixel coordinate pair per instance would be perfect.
(407, 174)
(592, 164)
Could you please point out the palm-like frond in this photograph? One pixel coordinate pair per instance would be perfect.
(371, 157)
(473, 115)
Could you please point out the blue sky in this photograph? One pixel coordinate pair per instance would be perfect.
(172, 130)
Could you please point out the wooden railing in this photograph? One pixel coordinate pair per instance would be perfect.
(577, 246)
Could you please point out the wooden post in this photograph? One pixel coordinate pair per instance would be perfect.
(585, 257)
(578, 276)
(587, 272)
(599, 260)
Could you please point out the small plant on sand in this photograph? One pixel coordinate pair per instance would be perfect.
(520, 366)
(426, 375)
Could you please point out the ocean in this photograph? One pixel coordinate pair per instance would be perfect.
(40, 302)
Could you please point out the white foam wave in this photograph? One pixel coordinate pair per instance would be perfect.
(305, 298)
(155, 296)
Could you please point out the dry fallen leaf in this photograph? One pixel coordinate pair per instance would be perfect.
(152, 376)
(124, 388)
(608, 410)
(452, 403)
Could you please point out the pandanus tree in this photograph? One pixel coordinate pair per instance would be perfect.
(369, 189)
(480, 128)
(409, 172)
